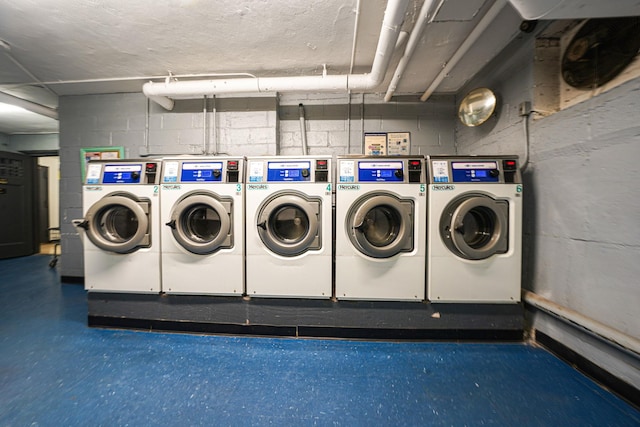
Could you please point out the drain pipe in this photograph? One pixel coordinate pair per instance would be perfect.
(593, 327)
(416, 33)
(214, 126)
(475, 34)
(354, 44)
(303, 130)
(391, 25)
(205, 146)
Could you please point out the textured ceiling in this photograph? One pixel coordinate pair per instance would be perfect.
(72, 43)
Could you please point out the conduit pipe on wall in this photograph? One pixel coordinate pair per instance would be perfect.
(475, 34)
(416, 33)
(600, 330)
(303, 130)
(162, 93)
(205, 146)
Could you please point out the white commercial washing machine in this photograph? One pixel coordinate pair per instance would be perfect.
(475, 229)
(121, 227)
(202, 225)
(288, 226)
(381, 210)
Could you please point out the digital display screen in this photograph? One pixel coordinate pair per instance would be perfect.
(201, 172)
(380, 172)
(475, 172)
(122, 174)
(288, 171)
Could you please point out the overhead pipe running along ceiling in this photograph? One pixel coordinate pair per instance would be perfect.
(162, 93)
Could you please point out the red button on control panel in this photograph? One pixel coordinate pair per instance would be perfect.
(509, 165)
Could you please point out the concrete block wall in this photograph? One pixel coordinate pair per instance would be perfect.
(240, 126)
(91, 121)
(581, 239)
(335, 124)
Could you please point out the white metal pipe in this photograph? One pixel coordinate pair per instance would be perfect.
(303, 130)
(124, 79)
(392, 22)
(214, 126)
(355, 38)
(525, 126)
(164, 102)
(590, 325)
(416, 33)
(486, 20)
(205, 146)
(28, 105)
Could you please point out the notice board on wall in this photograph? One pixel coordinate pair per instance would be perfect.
(387, 143)
(375, 144)
(398, 143)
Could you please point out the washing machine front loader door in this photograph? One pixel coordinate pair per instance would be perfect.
(119, 223)
(289, 224)
(381, 226)
(476, 227)
(201, 222)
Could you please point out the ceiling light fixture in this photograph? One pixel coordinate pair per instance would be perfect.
(8, 108)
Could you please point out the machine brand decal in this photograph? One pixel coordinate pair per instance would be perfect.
(519, 188)
(442, 187)
(348, 187)
(257, 187)
(93, 188)
(171, 187)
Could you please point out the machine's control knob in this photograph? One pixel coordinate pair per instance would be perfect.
(135, 175)
(494, 173)
(398, 173)
(217, 173)
(305, 172)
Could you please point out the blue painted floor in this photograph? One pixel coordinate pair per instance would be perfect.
(54, 371)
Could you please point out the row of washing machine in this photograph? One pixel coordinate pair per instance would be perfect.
(445, 229)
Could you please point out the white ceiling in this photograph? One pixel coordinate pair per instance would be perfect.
(105, 46)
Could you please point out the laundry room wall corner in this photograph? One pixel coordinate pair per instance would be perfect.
(91, 121)
(580, 245)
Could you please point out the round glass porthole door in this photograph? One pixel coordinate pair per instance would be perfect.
(118, 223)
(475, 226)
(381, 225)
(201, 223)
(289, 224)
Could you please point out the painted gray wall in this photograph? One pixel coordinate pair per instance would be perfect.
(241, 126)
(34, 142)
(4, 142)
(581, 237)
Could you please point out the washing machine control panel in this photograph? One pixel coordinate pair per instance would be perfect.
(201, 170)
(475, 170)
(110, 172)
(289, 170)
(389, 169)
